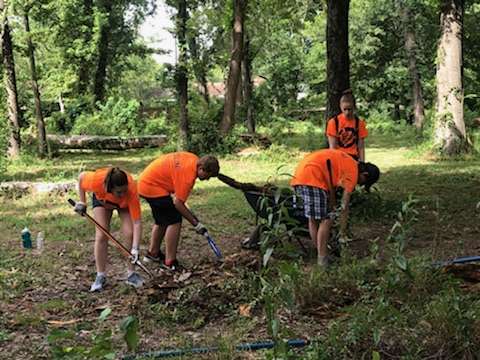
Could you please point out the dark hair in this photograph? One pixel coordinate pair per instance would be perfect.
(210, 164)
(373, 173)
(115, 177)
(347, 96)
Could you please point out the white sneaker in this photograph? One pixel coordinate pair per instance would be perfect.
(98, 284)
(135, 280)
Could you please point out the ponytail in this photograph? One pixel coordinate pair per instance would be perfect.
(115, 177)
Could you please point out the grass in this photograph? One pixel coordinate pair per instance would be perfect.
(38, 288)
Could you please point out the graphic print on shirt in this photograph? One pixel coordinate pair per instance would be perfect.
(347, 137)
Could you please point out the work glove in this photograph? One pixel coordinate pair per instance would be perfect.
(134, 255)
(80, 208)
(200, 229)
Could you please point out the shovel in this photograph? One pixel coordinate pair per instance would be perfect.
(114, 241)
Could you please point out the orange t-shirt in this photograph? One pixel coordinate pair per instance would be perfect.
(173, 173)
(93, 181)
(313, 170)
(346, 133)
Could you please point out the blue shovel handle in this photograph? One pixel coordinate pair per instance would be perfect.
(214, 246)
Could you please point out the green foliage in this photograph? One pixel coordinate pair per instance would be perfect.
(205, 136)
(117, 117)
(4, 132)
(64, 344)
(129, 326)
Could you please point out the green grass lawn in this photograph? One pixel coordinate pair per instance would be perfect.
(39, 291)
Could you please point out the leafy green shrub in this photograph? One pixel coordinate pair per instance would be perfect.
(117, 117)
(205, 135)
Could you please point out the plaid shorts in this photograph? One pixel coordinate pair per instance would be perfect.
(314, 201)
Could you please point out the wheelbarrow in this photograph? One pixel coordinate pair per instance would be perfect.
(272, 200)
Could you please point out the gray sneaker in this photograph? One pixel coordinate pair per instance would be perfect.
(135, 280)
(98, 284)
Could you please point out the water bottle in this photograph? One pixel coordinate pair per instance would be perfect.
(26, 238)
(40, 241)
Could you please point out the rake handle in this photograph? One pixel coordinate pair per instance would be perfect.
(115, 242)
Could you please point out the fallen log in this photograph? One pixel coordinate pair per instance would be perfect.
(91, 142)
(19, 188)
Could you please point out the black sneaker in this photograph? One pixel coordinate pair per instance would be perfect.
(175, 266)
(149, 258)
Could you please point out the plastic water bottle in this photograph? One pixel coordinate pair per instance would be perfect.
(40, 241)
(26, 238)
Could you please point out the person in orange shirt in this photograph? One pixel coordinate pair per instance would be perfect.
(345, 131)
(113, 189)
(315, 180)
(166, 184)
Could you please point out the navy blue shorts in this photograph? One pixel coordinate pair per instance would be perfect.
(96, 202)
(164, 211)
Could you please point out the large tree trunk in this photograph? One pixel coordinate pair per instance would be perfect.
(182, 76)
(450, 132)
(234, 73)
(248, 85)
(103, 53)
(84, 69)
(42, 138)
(410, 48)
(338, 61)
(10, 85)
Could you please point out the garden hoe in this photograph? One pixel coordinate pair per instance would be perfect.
(114, 241)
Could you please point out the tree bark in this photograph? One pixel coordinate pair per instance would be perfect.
(234, 73)
(10, 81)
(103, 53)
(450, 132)
(42, 137)
(182, 76)
(338, 61)
(410, 48)
(248, 85)
(84, 69)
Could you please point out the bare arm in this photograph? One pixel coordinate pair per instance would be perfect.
(81, 192)
(332, 142)
(137, 233)
(361, 150)
(186, 213)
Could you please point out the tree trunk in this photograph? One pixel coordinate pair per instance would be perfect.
(103, 53)
(234, 73)
(410, 48)
(182, 76)
(84, 69)
(42, 137)
(450, 132)
(338, 61)
(10, 86)
(199, 68)
(248, 86)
